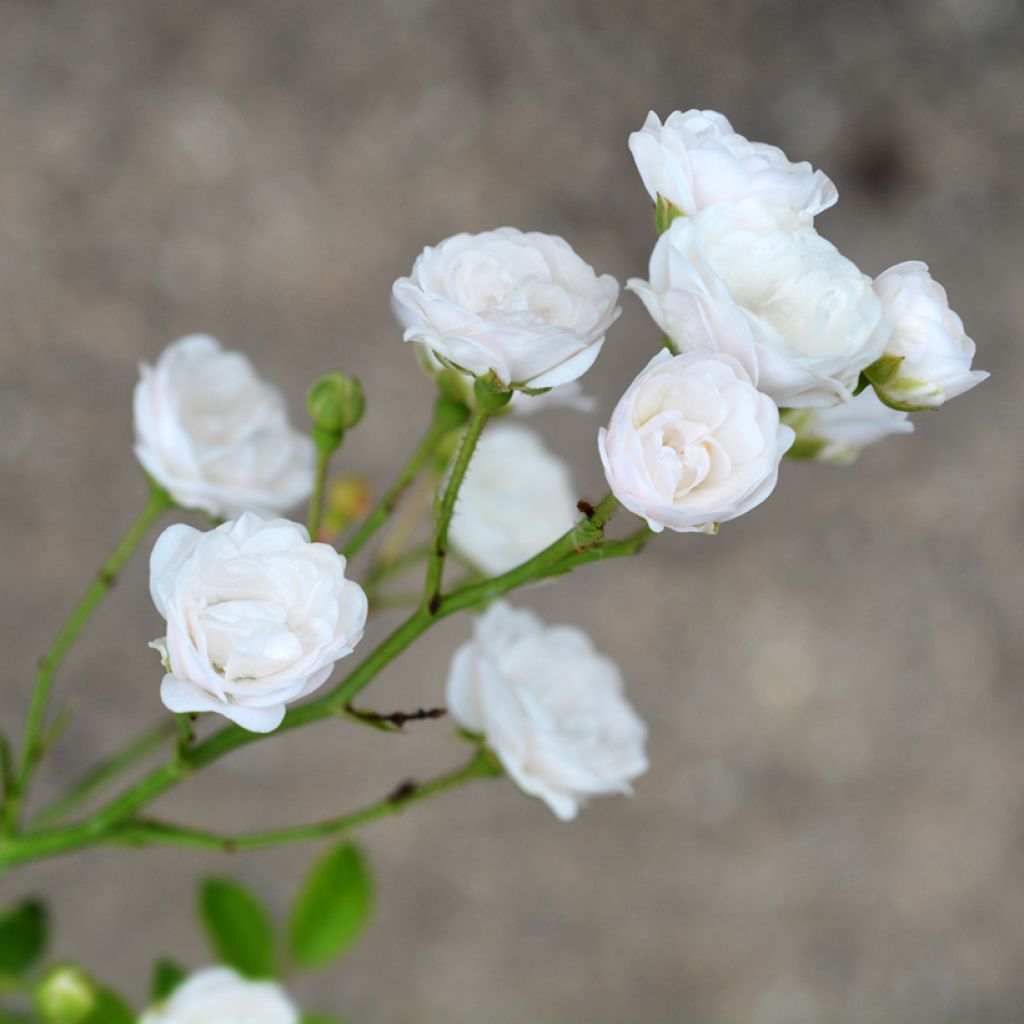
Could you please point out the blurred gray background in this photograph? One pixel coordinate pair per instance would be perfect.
(831, 830)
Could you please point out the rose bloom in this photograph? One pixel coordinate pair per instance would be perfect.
(695, 160)
(929, 337)
(692, 443)
(516, 499)
(801, 317)
(215, 435)
(551, 707)
(522, 304)
(256, 617)
(217, 995)
(838, 434)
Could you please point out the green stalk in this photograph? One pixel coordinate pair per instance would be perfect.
(149, 832)
(97, 777)
(159, 501)
(438, 428)
(435, 564)
(316, 502)
(575, 547)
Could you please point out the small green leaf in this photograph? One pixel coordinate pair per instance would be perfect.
(317, 1018)
(332, 907)
(238, 927)
(23, 935)
(167, 976)
(110, 1008)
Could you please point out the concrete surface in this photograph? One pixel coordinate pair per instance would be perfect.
(831, 830)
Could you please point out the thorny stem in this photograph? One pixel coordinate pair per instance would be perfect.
(583, 543)
(391, 497)
(146, 832)
(316, 502)
(110, 768)
(159, 501)
(435, 563)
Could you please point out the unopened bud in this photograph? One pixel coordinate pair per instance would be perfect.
(65, 995)
(335, 404)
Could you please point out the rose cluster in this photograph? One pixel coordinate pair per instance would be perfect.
(774, 343)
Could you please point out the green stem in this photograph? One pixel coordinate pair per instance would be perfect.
(387, 504)
(435, 564)
(316, 502)
(158, 503)
(149, 832)
(97, 777)
(571, 549)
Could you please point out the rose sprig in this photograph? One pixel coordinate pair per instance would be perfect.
(774, 344)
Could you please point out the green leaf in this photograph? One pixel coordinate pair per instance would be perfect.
(238, 927)
(167, 976)
(23, 934)
(110, 1008)
(332, 907)
(313, 1018)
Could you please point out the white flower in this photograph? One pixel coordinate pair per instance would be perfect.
(217, 995)
(692, 443)
(521, 304)
(215, 435)
(801, 317)
(550, 706)
(256, 617)
(927, 336)
(695, 160)
(838, 434)
(516, 499)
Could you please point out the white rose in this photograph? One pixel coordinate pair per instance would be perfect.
(521, 304)
(215, 435)
(256, 617)
(217, 995)
(516, 499)
(801, 317)
(551, 707)
(692, 443)
(928, 338)
(695, 160)
(838, 434)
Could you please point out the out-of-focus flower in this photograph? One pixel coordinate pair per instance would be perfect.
(520, 304)
(516, 499)
(216, 436)
(839, 433)
(928, 357)
(256, 617)
(695, 159)
(801, 317)
(550, 706)
(217, 995)
(692, 443)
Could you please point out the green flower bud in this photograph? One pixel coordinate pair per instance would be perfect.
(335, 404)
(65, 995)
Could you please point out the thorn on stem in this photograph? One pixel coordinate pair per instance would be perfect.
(585, 507)
(403, 791)
(399, 718)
